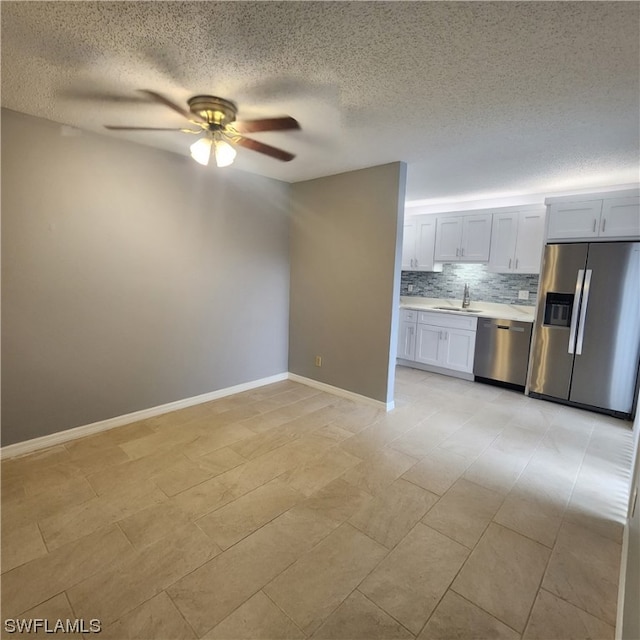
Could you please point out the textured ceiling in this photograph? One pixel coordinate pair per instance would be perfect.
(478, 98)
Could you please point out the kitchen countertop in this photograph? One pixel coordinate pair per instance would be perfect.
(484, 309)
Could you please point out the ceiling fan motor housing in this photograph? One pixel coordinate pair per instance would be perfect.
(217, 112)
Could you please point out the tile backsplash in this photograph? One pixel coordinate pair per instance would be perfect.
(483, 285)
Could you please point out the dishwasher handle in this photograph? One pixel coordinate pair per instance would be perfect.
(490, 325)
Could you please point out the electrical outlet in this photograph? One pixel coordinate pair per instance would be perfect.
(523, 295)
(318, 361)
(410, 288)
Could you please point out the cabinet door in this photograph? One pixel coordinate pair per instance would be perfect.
(459, 350)
(529, 243)
(574, 220)
(620, 218)
(448, 238)
(476, 238)
(407, 340)
(425, 244)
(409, 244)
(504, 232)
(429, 344)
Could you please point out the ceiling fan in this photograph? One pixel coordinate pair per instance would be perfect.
(216, 119)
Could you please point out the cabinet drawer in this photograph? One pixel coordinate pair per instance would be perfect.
(408, 315)
(448, 320)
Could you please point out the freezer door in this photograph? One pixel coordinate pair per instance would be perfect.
(552, 353)
(608, 337)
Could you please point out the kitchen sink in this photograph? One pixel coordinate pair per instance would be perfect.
(467, 310)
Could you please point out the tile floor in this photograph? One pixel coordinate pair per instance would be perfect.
(284, 512)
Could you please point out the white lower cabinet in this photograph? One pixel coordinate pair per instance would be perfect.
(443, 341)
(445, 347)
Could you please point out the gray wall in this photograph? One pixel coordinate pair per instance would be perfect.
(484, 285)
(131, 277)
(345, 278)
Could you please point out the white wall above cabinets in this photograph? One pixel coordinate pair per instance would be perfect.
(418, 243)
(517, 238)
(612, 215)
(463, 237)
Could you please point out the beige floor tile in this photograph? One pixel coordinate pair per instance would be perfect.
(119, 589)
(48, 502)
(188, 473)
(318, 472)
(337, 501)
(106, 458)
(517, 440)
(503, 574)
(458, 619)
(410, 581)
(464, 512)
(38, 580)
(584, 569)
(394, 512)
(20, 545)
(154, 619)
(357, 618)
(319, 581)
(469, 441)
(133, 472)
(49, 478)
(52, 610)
(106, 440)
(153, 523)
(215, 439)
(206, 497)
(85, 518)
(243, 516)
(213, 591)
(257, 619)
(438, 471)
(34, 462)
(554, 618)
(422, 440)
(377, 473)
(496, 470)
(535, 519)
(261, 443)
(159, 441)
(374, 438)
(360, 418)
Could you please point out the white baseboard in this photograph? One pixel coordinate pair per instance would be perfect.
(430, 368)
(28, 446)
(387, 406)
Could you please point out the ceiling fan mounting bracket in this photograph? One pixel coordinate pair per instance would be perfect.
(217, 112)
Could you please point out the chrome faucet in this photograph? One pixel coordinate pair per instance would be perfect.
(466, 298)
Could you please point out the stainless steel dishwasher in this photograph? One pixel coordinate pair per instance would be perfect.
(502, 350)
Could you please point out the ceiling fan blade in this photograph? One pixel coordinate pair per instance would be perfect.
(260, 147)
(114, 127)
(172, 105)
(266, 124)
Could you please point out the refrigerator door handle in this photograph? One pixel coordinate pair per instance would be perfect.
(574, 311)
(583, 311)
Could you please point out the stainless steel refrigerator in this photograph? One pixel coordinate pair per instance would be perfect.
(586, 347)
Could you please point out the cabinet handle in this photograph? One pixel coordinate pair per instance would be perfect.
(509, 263)
(604, 224)
(457, 252)
(439, 335)
(594, 225)
(516, 263)
(462, 251)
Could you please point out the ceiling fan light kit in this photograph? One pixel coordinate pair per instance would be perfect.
(216, 117)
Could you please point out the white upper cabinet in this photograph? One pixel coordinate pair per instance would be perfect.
(463, 238)
(594, 219)
(517, 238)
(570, 220)
(418, 244)
(620, 218)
